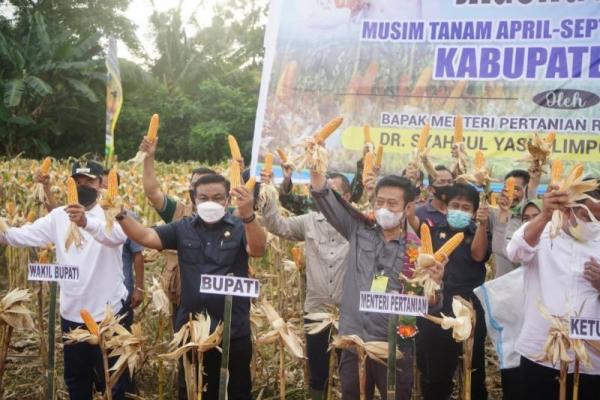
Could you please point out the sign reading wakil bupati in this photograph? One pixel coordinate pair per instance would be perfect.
(391, 303)
(229, 285)
(584, 328)
(53, 272)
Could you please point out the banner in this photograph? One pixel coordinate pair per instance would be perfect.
(511, 68)
(114, 99)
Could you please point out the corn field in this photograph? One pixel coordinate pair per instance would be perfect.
(280, 272)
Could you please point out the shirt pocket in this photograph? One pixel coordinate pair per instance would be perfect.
(191, 251)
(366, 253)
(227, 253)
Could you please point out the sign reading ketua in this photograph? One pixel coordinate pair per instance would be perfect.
(53, 272)
(584, 328)
(229, 285)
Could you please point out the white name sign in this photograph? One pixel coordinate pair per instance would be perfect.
(584, 328)
(53, 272)
(229, 285)
(391, 303)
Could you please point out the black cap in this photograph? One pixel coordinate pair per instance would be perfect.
(90, 169)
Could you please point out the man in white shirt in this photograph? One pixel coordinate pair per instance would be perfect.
(100, 278)
(557, 277)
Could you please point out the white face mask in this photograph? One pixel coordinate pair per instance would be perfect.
(387, 219)
(585, 231)
(210, 212)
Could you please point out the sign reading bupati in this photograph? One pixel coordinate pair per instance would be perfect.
(53, 272)
(229, 285)
(584, 328)
(510, 68)
(390, 303)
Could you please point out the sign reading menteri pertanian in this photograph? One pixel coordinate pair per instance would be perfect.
(391, 303)
(229, 285)
(53, 272)
(584, 328)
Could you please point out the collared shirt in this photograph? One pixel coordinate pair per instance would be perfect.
(100, 264)
(462, 274)
(130, 248)
(325, 254)
(217, 249)
(368, 255)
(429, 215)
(501, 234)
(554, 278)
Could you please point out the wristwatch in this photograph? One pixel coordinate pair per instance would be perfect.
(249, 219)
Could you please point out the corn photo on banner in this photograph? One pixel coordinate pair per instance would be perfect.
(510, 69)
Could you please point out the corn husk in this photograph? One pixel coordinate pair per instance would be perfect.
(13, 311)
(315, 157)
(128, 347)
(375, 350)
(576, 189)
(540, 150)
(160, 300)
(323, 320)
(106, 329)
(194, 335)
(462, 322)
(480, 176)
(280, 330)
(111, 201)
(74, 236)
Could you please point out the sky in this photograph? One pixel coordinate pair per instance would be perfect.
(139, 12)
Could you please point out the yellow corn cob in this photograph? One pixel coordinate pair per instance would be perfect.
(557, 171)
(45, 167)
(367, 164)
(449, 247)
(31, 216)
(112, 188)
(479, 160)
(11, 208)
(268, 167)
(89, 322)
(72, 192)
(235, 174)
(458, 129)
(43, 256)
(234, 148)
(551, 137)
(426, 245)
(367, 134)
(152, 128)
(378, 156)
(422, 145)
(282, 155)
(510, 189)
(251, 183)
(327, 130)
(297, 256)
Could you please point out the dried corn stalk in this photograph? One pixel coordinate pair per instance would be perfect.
(73, 234)
(281, 330)
(150, 136)
(13, 311)
(194, 336)
(128, 347)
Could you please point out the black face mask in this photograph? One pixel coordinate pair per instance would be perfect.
(87, 195)
(441, 192)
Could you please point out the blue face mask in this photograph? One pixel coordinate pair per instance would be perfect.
(458, 219)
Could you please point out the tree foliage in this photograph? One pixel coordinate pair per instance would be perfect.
(204, 82)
